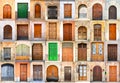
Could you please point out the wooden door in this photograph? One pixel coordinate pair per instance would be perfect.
(67, 73)
(97, 12)
(37, 11)
(112, 12)
(82, 52)
(112, 73)
(97, 32)
(82, 33)
(67, 52)
(112, 31)
(37, 31)
(67, 10)
(7, 32)
(53, 53)
(23, 72)
(52, 30)
(52, 73)
(37, 72)
(7, 11)
(67, 32)
(22, 10)
(97, 73)
(22, 32)
(37, 51)
(112, 52)
(97, 53)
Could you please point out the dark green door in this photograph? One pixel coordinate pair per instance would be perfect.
(22, 10)
(53, 51)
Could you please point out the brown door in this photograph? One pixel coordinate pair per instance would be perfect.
(37, 50)
(52, 73)
(7, 32)
(112, 12)
(82, 52)
(112, 73)
(97, 32)
(97, 53)
(37, 31)
(82, 33)
(22, 32)
(67, 73)
(112, 32)
(37, 11)
(97, 73)
(67, 52)
(37, 72)
(67, 10)
(97, 12)
(67, 32)
(23, 72)
(52, 30)
(7, 11)
(112, 52)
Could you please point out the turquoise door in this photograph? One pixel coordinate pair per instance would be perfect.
(53, 54)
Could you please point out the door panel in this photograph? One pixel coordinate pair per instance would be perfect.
(67, 32)
(97, 73)
(97, 12)
(23, 72)
(67, 73)
(22, 32)
(37, 72)
(112, 52)
(52, 73)
(112, 73)
(82, 52)
(67, 52)
(37, 31)
(53, 54)
(22, 10)
(37, 50)
(112, 12)
(112, 32)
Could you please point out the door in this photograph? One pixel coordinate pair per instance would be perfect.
(52, 30)
(112, 12)
(7, 32)
(112, 52)
(97, 32)
(37, 31)
(53, 51)
(112, 32)
(23, 72)
(7, 11)
(112, 73)
(97, 12)
(37, 11)
(67, 73)
(97, 73)
(22, 10)
(67, 32)
(22, 32)
(37, 72)
(67, 10)
(82, 52)
(67, 52)
(37, 50)
(52, 73)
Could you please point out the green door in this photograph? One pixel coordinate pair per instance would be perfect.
(22, 10)
(53, 51)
